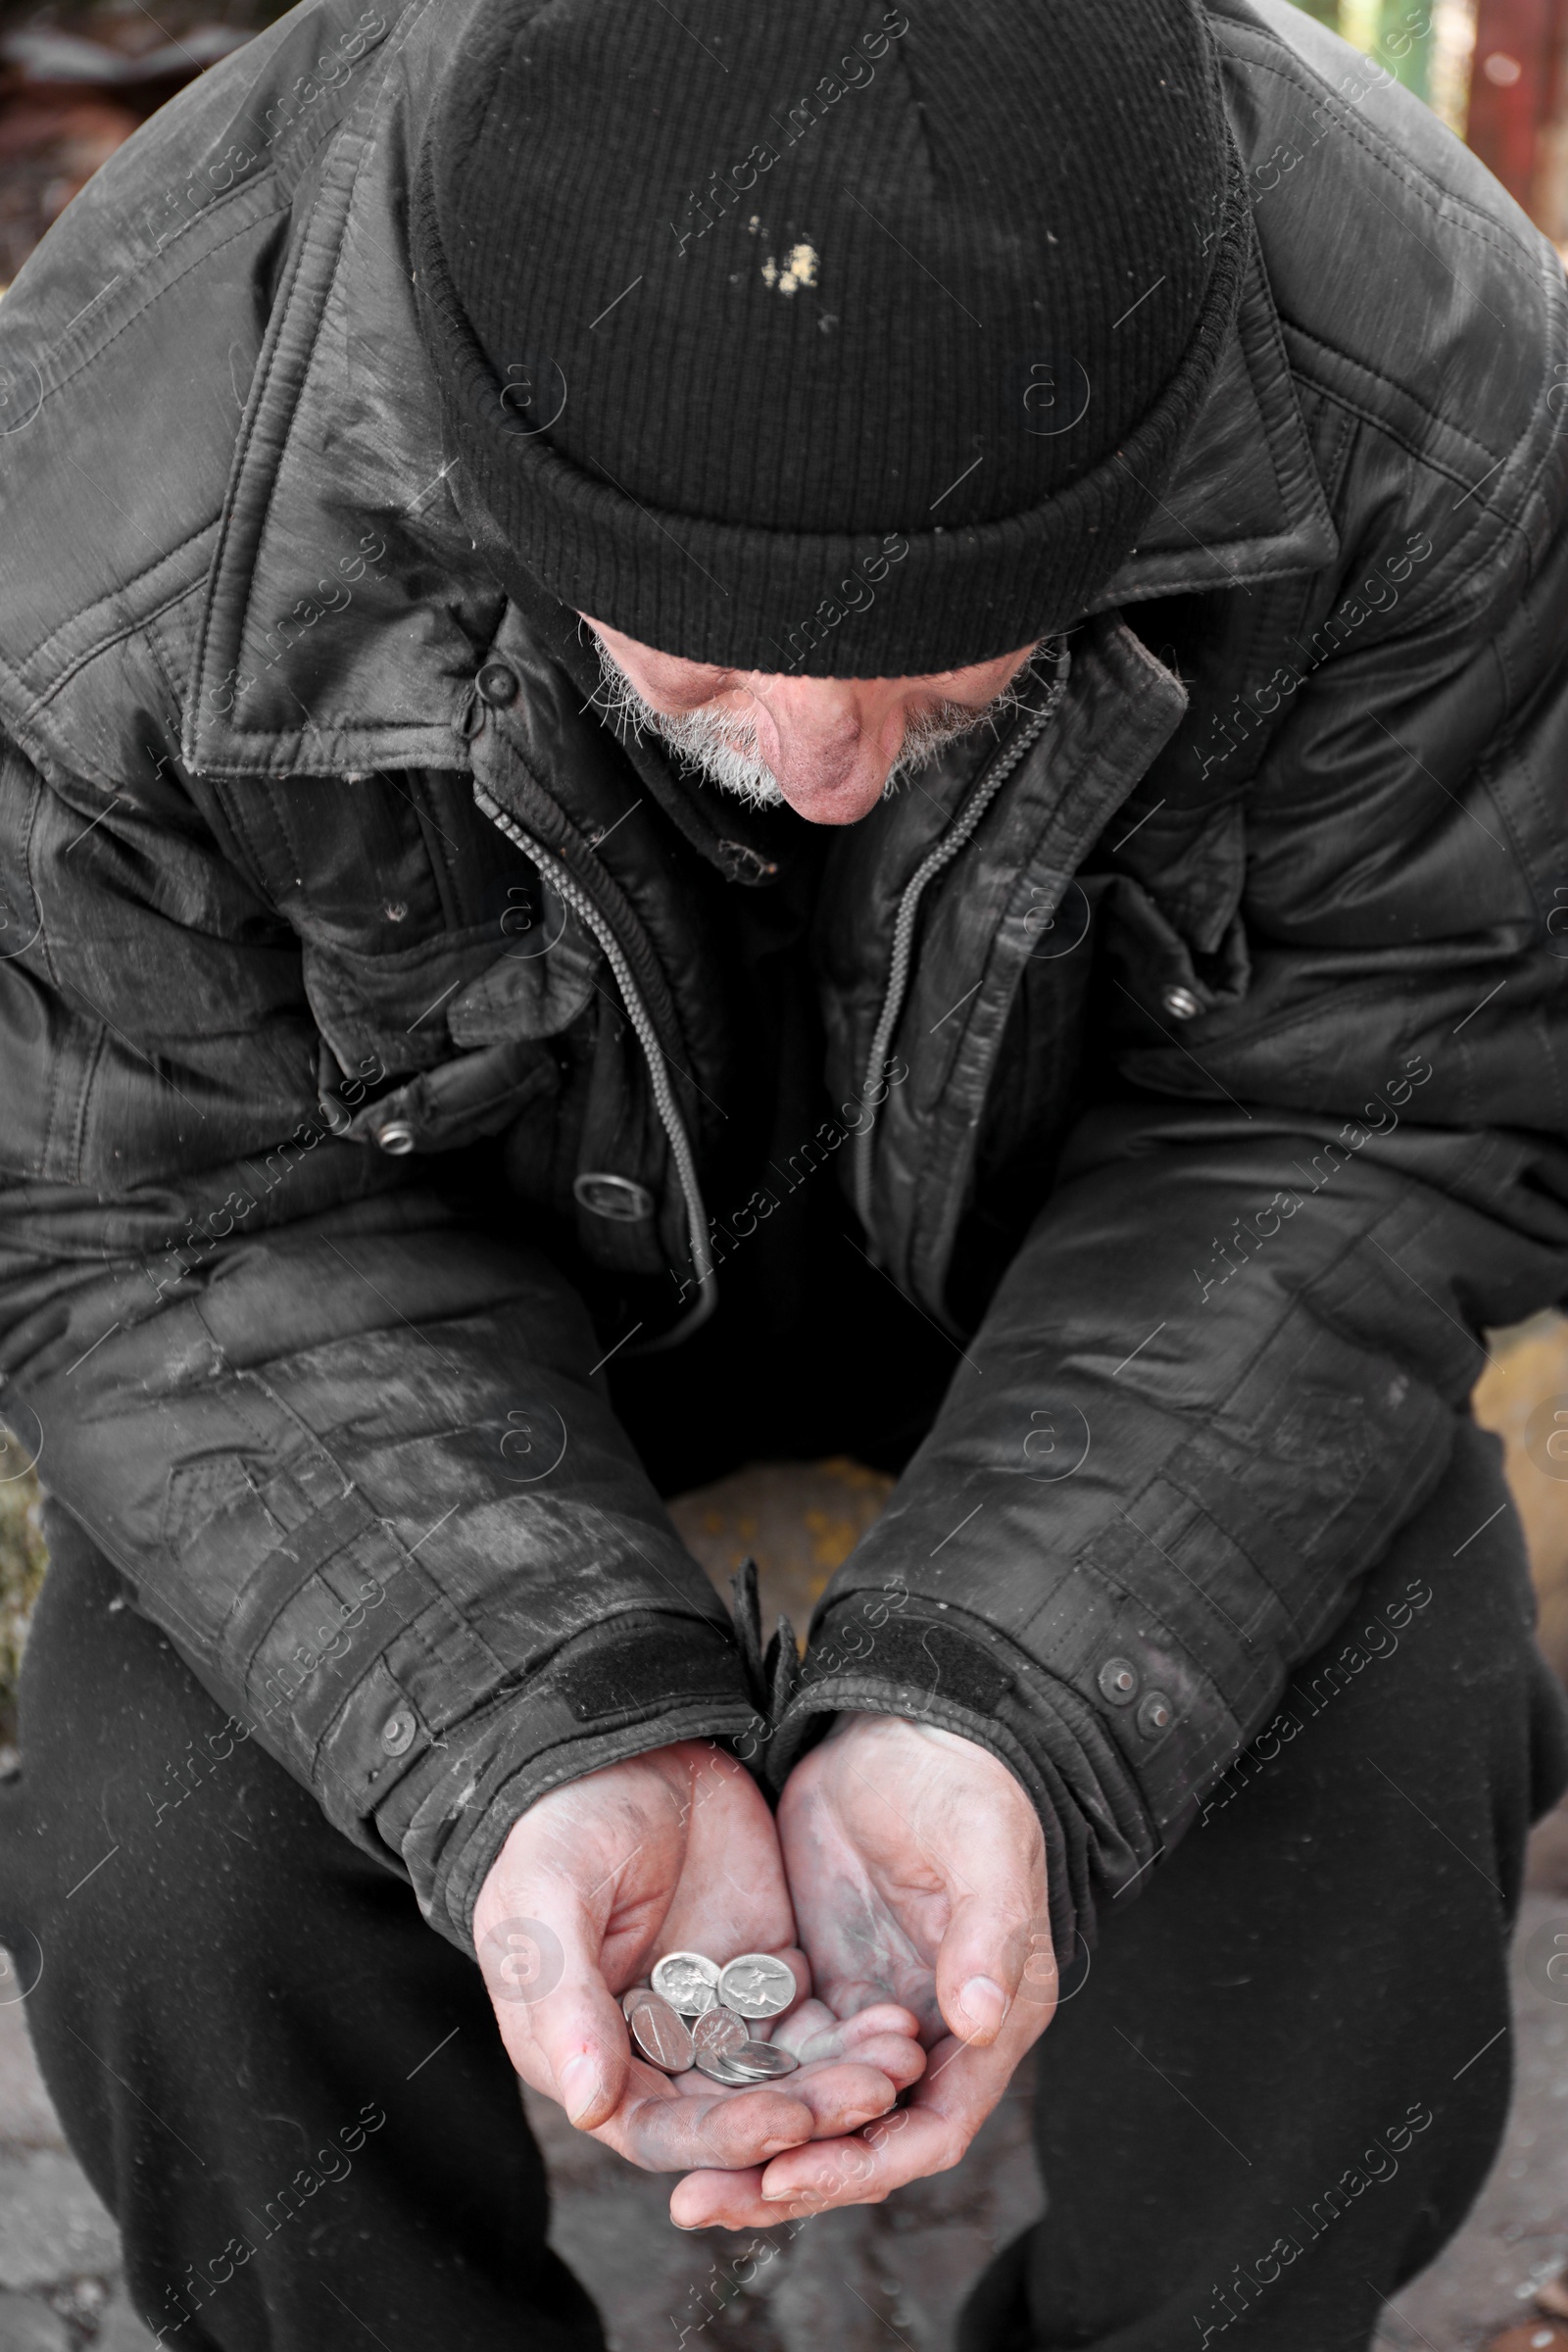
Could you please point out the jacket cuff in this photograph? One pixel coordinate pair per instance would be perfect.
(953, 1670)
(642, 1681)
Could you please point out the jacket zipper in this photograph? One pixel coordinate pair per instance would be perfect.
(675, 1126)
(982, 793)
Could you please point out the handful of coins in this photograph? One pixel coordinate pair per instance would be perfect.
(695, 2013)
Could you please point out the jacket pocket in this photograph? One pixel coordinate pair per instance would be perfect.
(406, 1010)
(389, 1011)
(539, 986)
(1172, 916)
(1165, 971)
(461, 1101)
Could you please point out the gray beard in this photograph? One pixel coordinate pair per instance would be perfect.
(723, 751)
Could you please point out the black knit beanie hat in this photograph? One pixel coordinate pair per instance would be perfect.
(821, 335)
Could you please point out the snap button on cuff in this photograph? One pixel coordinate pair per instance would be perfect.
(396, 1137)
(496, 684)
(398, 1730)
(1180, 1004)
(1118, 1682)
(1155, 1714)
(617, 1197)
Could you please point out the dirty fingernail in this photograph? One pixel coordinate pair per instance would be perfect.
(579, 2087)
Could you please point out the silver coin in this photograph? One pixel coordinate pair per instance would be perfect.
(719, 2069)
(688, 1980)
(721, 2032)
(634, 1999)
(660, 2036)
(761, 2061)
(757, 1985)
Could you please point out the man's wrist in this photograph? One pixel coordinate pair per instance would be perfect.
(950, 1672)
(849, 1717)
(599, 1701)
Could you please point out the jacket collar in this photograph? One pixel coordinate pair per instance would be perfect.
(348, 606)
(1246, 503)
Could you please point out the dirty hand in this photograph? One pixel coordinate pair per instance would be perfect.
(673, 1850)
(918, 1869)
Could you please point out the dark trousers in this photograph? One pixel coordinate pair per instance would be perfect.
(1270, 2103)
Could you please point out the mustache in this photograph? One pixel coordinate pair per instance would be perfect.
(725, 749)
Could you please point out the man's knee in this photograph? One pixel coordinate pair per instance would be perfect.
(147, 1820)
(1430, 1703)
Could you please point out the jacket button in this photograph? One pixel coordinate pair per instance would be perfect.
(1155, 1714)
(397, 1733)
(615, 1197)
(396, 1137)
(1118, 1680)
(1180, 1004)
(497, 685)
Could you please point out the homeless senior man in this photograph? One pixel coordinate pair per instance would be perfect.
(840, 730)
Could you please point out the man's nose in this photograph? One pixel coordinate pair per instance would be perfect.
(821, 756)
(823, 753)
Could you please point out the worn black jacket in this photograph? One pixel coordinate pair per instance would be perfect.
(1198, 1050)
